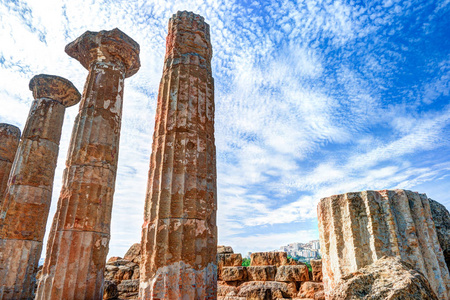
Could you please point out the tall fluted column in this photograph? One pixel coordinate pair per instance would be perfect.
(9, 140)
(357, 229)
(27, 199)
(179, 234)
(79, 238)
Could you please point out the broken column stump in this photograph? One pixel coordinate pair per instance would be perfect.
(9, 141)
(28, 195)
(79, 238)
(358, 229)
(179, 234)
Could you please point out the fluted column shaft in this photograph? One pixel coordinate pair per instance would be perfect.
(9, 141)
(357, 229)
(179, 235)
(79, 238)
(27, 199)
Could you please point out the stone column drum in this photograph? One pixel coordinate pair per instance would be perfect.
(9, 141)
(27, 199)
(79, 238)
(179, 234)
(357, 229)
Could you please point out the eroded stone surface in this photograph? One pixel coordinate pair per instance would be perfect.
(269, 258)
(311, 290)
(179, 234)
(316, 266)
(79, 237)
(441, 218)
(261, 273)
(9, 141)
(234, 273)
(292, 273)
(386, 279)
(26, 204)
(357, 229)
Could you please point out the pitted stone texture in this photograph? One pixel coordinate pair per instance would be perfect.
(181, 281)
(27, 199)
(292, 273)
(55, 88)
(261, 273)
(224, 250)
(311, 290)
(9, 141)
(179, 234)
(112, 46)
(316, 266)
(188, 41)
(134, 253)
(234, 273)
(269, 259)
(79, 237)
(388, 278)
(357, 229)
(441, 218)
(264, 290)
(227, 260)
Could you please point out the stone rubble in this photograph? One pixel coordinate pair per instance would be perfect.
(388, 278)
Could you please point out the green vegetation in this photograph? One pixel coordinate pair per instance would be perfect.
(246, 262)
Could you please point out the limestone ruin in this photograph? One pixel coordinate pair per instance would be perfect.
(357, 229)
(28, 195)
(179, 235)
(361, 234)
(79, 237)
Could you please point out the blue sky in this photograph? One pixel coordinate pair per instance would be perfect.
(313, 98)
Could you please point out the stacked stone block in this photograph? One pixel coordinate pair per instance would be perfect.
(271, 275)
(358, 229)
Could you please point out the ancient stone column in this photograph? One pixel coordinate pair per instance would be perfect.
(9, 140)
(357, 229)
(79, 238)
(27, 199)
(179, 234)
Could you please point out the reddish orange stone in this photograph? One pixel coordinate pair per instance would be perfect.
(179, 235)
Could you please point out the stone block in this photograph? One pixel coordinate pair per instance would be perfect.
(261, 273)
(292, 273)
(234, 273)
(316, 266)
(269, 259)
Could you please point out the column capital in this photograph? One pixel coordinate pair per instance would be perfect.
(111, 46)
(55, 88)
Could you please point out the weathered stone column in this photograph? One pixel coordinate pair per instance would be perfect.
(179, 234)
(357, 229)
(9, 140)
(26, 206)
(79, 238)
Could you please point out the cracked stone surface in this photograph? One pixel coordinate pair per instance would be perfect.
(357, 229)
(79, 237)
(179, 234)
(9, 141)
(26, 205)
